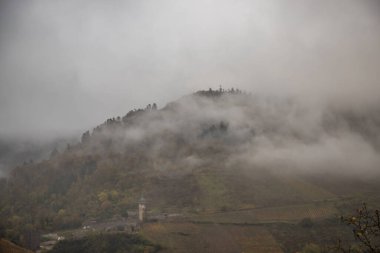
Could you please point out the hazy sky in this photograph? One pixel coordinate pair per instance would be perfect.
(68, 65)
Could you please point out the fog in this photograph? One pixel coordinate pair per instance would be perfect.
(234, 131)
(65, 66)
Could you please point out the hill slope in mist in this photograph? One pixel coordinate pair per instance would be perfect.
(212, 151)
(18, 150)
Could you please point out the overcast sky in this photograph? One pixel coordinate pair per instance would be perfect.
(66, 66)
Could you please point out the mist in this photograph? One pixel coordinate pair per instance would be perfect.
(234, 131)
(65, 66)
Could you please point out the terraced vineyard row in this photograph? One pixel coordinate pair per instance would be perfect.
(293, 213)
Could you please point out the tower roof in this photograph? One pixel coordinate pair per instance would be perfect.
(142, 200)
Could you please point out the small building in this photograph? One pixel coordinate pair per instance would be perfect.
(48, 245)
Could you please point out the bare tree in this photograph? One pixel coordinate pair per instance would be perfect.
(365, 226)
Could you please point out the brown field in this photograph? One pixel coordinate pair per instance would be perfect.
(9, 247)
(189, 237)
(293, 213)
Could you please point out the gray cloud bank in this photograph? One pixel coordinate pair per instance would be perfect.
(241, 130)
(67, 65)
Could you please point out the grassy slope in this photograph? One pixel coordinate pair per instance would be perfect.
(188, 237)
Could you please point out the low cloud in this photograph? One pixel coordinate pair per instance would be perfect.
(260, 132)
(66, 66)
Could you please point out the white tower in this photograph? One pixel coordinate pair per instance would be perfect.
(142, 207)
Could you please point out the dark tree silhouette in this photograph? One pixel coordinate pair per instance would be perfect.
(54, 153)
(365, 226)
(85, 136)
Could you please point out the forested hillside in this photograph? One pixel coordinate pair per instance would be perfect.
(225, 153)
